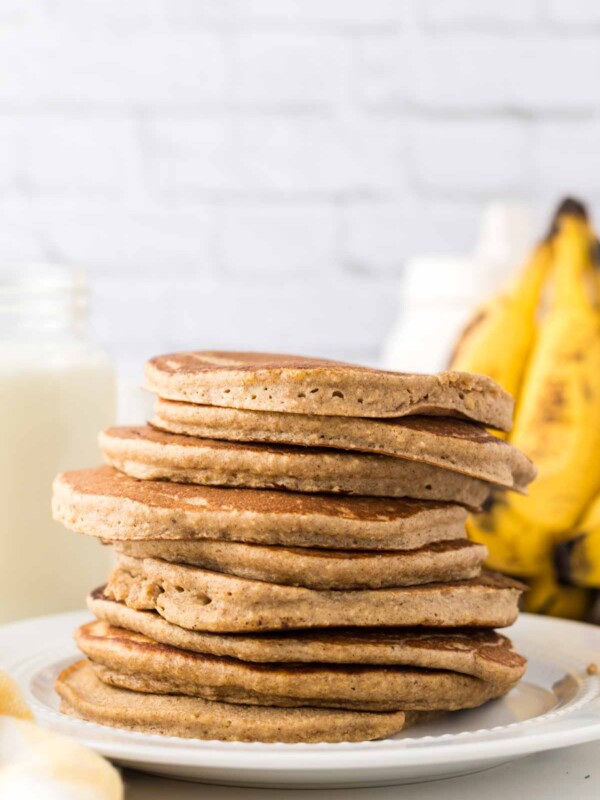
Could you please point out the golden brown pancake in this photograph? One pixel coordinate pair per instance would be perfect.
(106, 503)
(481, 652)
(149, 454)
(321, 569)
(453, 444)
(84, 696)
(133, 661)
(273, 382)
(200, 600)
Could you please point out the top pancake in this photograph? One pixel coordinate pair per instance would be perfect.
(274, 382)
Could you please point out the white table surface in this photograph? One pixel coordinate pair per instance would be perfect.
(569, 774)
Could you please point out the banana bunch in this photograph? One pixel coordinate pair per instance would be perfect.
(540, 340)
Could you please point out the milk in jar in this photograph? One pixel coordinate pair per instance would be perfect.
(57, 391)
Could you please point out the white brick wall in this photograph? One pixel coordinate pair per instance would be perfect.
(257, 239)
(484, 13)
(472, 157)
(255, 173)
(293, 70)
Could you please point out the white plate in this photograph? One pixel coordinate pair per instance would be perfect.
(556, 705)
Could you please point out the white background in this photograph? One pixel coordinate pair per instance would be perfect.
(255, 173)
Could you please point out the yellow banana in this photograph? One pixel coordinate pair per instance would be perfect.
(12, 702)
(514, 546)
(557, 419)
(498, 340)
(547, 596)
(579, 556)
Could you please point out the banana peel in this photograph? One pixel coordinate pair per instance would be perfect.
(515, 546)
(546, 595)
(12, 702)
(499, 338)
(578, 557)
(557, 420)
(557, 425)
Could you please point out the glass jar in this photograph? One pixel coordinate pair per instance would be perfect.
(57, 391)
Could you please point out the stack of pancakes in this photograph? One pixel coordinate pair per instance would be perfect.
(292, 563)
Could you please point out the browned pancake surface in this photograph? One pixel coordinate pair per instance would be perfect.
(198, 599)
(83, 695)
(453, 444)
(134, 661)
(453, 560)
(149, 454)
(481, 652)
(106, 503)
(275, 382)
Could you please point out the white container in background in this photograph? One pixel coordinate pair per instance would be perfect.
(57, 391)
(440, 293)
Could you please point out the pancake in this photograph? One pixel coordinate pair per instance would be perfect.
(440, 441)
(482, 652)
(273, 382)
(133, 661)
(149, 454)
(105, 503)
(321, 569)
(197, 599)
(84, 696)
